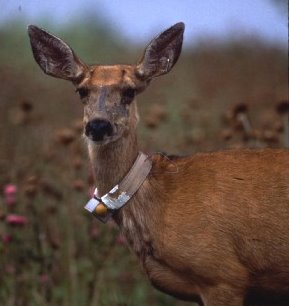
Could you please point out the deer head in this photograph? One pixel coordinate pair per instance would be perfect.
(107, 92)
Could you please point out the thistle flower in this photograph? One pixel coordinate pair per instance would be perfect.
(16, 220)
(10, 193)
(94, 232)
(10, 189)
(44, 279)
(120, 239)
(65, 136)
(26, 106)
(6, 238)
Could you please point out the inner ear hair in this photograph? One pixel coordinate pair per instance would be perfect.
(162, 53)
(54, 56)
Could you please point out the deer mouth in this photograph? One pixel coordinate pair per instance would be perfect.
(104, 141)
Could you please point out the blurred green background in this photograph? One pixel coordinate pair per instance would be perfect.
(222, 94)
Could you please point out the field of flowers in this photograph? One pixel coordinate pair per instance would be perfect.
(219, 96)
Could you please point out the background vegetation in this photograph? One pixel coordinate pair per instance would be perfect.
(220, 95)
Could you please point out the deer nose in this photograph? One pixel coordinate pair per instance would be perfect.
(97, 129)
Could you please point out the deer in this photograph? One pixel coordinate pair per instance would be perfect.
(210, 228)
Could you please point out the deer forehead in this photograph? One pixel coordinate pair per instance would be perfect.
(117, 75)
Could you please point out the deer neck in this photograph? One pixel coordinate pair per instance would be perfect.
(111, 162)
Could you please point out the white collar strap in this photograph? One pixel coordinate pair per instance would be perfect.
(103, 207)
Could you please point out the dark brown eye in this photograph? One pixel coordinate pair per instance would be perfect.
(128, 95)
(83, 92)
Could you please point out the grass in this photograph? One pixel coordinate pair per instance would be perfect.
(62, 256)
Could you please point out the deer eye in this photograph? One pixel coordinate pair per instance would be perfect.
(83, 92)
(128, 95)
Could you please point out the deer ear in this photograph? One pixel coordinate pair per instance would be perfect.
(54, 56)
(161, 53)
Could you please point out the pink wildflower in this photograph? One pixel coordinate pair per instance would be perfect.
(120, 239)
(44, 279)
(16, 220)
(10, 200)
(10, 189)
(10, 192)
(94, 232)
(6, 238)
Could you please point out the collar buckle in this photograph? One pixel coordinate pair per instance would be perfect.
(120, 194)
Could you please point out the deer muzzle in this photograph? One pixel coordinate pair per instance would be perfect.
(98, 129)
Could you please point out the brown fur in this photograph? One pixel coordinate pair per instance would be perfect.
(212, 227)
